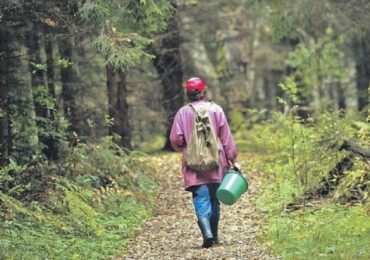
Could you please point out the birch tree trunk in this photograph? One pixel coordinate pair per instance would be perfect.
(250, 70)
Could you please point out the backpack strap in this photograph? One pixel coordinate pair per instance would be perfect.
(195, 110)
(191, 105)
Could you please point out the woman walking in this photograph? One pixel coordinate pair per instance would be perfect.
(203, 183)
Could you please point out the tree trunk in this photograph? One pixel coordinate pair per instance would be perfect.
(363, 72)
(69, 81)
(117, 105)
(269, 89)
(50, 64)
(168, 66)
(341, 97)
(44, 118)
(251, 68)
(37, 74)
(51, 143)
(4, 111)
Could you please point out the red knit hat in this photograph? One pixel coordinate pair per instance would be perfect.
(195, 84)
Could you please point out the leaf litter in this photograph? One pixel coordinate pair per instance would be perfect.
(173, 232)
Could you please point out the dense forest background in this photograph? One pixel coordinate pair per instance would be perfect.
(79, 70)
(85, 83)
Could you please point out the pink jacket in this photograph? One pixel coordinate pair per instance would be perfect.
(180, 135)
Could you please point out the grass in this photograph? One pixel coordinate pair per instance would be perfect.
(155, 144)
(333, 232)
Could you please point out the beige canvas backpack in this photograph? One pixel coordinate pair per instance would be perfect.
(202, 151)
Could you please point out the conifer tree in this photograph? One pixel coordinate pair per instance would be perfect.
(5, 78)
(169, 67)
(122, 33)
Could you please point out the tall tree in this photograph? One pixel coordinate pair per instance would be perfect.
(169, 67)
(49, 52)
(5, 79)
(362, 50)
(16, 118)
(35, 67)
(123, 30)
(69, 81)
(51, 142)
(32, 104)
(117, 104)
(43, 96)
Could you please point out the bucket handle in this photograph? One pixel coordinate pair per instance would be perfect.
(237, 169)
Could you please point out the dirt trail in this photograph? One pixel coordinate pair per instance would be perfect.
(173, 232)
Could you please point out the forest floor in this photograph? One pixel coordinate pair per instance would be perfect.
(173, 233)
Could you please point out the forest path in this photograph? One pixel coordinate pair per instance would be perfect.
(173, 232)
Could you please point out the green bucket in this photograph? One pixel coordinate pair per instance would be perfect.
(232, 187)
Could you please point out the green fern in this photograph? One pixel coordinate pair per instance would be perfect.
(14, 207)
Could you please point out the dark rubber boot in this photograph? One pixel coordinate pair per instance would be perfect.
(214, 228)
(205, 227)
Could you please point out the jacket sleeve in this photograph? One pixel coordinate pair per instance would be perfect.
(177, 135)
(226, 139)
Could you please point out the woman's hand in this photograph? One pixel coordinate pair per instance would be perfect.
(237, 167)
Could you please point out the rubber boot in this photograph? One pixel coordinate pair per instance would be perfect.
(205, 228)
(214, 228)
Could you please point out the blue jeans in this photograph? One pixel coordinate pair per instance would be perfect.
(205, 202)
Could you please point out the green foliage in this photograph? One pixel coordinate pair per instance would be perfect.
(124, 29)
(86, 208)
(294, 155)
(43, 98)
(334, 232)
(363, 129)
(28, 129)
(30, 239)
(355, 185)
(292, 151)
(38, 67)
(124, 50)
(292, 19)
(8, 175)
(290, 88)
(154, 144)
(12, 207)
(241, 121)
(105, 158)
(319, 64)
(51, 126)
(237, 121)
(23, 125)
(64, 63)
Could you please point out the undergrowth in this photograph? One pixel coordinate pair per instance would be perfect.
(332, 232)
(85, 207)
(293, 155)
